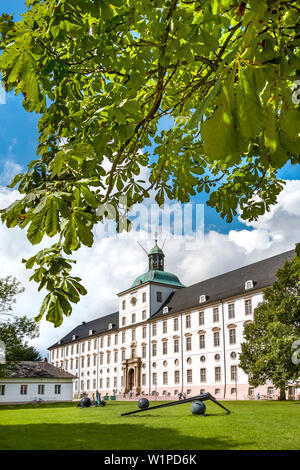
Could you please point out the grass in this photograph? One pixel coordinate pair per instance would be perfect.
(251, 425)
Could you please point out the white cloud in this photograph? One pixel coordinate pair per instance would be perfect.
(113, 263)
(10, 169)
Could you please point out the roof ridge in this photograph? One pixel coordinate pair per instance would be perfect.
(242, 267)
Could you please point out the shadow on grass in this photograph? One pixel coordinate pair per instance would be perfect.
(92, 436)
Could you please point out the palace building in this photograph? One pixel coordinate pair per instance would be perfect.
(166, 338)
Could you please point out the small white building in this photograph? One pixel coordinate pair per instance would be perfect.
(36, 382)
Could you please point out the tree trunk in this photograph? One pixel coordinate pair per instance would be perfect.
(282, 392)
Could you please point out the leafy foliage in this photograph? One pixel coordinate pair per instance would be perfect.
(103, 73)
(268, 349)
(15, 332)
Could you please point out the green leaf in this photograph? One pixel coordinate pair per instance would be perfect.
(251, 115)
(89, 197)
(51, 222)
(36, 229)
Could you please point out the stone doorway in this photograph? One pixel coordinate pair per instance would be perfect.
(132, 375)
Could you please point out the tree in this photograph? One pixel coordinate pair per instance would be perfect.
(15, 332)
(268, 348)
(9, 288)
(103, 73)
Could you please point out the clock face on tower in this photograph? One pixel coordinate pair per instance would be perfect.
(133, 301)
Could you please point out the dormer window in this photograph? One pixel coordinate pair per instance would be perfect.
(74, 337)
(110, 326)
(249, 284)
(91, 332)
(165, 309)
(202, 299)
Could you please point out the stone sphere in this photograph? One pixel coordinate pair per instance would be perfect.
(85, 402)
(198, 408)
(143, 403)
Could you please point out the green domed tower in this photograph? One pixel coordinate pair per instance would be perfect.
(156, 258)
(156, 272)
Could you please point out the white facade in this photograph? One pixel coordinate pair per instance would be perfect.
(25, 390)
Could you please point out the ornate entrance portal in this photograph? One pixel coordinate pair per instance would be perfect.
(132, 375)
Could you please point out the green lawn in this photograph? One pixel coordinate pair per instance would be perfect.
(252, 425)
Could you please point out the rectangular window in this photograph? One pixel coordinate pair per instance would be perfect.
(123, 336)
(144, 351)
(231, 312)
(133, 318)
(89, 345)
(189, 343)
(123, 321)
(176, 346)
(101, 384)
(201, 318)
(2, 389)
(176, 377)
(216, 338)
(101, 359)
(154, 349)
(203, 375)
(165, 327)
(144, 332)
(77, 348)
(82, 362)
(115, 382)
(94, 384)
(95, 344)
(154, 378)
(108, 358)
(233, 372)
(101, 342)
(144, 379)
(189, 376)
(107, 382)
(57, 389)
(123, 355)
(77, 363)
(123, 304)
(201, 341)
(216, 314)
(88, 385)
(232, 336)
(144, 314)
(115, 356)
(175, 324)
(88, 361)
(165, 347)
(158, 296)
(82, 347)
(154, 329)
(116, 339)
(144, 297)
(94, 360)
(165, 378)
(248, 306)
(133, 335)
(188, 321)
(108, 341)
(217, 374)
(41, 389)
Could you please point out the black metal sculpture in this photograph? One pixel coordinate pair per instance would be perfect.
(203, 397)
